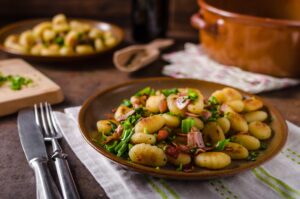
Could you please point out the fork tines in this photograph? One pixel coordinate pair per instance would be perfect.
(45, 119)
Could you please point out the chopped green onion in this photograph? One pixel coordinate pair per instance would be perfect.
(127, 103)
(168, 92)
(213, 101)
(187, 124)
(180, 168)
(220, 146)
(17, 82)
(145, 91)
(192, 95)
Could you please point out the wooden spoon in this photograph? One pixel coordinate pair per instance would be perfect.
(134, 57)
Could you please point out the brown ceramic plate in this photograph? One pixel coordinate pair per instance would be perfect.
(19, 27)
(97, 106)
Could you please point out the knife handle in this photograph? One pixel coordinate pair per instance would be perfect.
(45, 186)
(64, 174)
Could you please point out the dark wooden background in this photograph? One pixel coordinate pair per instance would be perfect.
(108, 10)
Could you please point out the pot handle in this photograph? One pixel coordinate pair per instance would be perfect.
(198, 22)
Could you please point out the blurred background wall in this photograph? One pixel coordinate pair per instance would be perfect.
(116, 11)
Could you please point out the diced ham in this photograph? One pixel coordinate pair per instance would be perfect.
(125, 116)
(172, 151)
(195, 140)
(192, 114)
(182, 102)
(206, 114)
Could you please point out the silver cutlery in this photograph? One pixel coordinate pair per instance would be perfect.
(36, 155)
(46, 120)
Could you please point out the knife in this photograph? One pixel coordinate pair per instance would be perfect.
(35, 151)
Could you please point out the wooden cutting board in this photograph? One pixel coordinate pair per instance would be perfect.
(42, 89)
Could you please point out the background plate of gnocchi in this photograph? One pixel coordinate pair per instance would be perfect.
(59, 38)
(182, 128)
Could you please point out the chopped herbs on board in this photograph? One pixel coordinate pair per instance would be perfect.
(16, 82)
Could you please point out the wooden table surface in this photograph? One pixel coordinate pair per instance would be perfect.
(79, 81)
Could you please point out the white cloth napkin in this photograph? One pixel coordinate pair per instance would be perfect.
(192, 62)
(278, 178)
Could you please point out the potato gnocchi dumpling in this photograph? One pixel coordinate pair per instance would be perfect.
(237, 122)
(138, 138)
(150, 124)
(212, 160)
(252, 104)
(181, 159)
(71, 37)
(182, 128)
(248, 141)
(236, 151)
(260, 130)
(256, 116)
(148, 155)
(171, 120)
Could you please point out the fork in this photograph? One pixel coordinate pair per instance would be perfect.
(46, 121)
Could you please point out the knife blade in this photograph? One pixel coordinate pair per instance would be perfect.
(35, 151)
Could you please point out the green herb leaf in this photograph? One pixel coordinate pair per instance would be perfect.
(214, 109)
(180, 168)
(187, 124)
(113, 126)
(59, 41)
(220, 146)
(17, 82)
(192, 95)
(145, 91)
(213, 101)
(263, 146)
(253, 155)
(111, 147)
(168, 92)
(127, 103)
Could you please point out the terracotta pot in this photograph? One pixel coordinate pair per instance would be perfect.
(259, 35)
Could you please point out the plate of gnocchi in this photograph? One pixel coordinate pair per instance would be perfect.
(182, 128)
(59, 38)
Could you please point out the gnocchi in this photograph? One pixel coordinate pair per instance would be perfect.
(260, 130)
(178, 127)
(71, 37)
(139, 138)
(237, 122)
(181, 159)
(148, 155)
(248, 141)
(256, 116)
(150, 124)
(174, 109)
(105, 126)
(236, 151)
(212, 160)
(171, 120)
(213, 133)
(252, 104)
